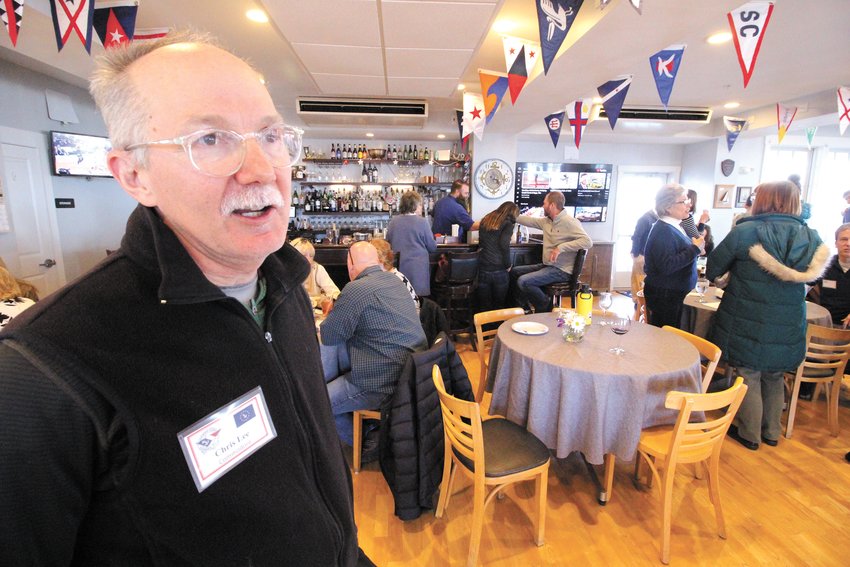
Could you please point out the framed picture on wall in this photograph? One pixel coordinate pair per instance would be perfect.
(742, 196)
(723, 196)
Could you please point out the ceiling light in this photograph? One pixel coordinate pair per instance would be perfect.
(504, 26)
(256, 15)
(732, 105)
(441, 136)
(720, 37)
(370, 135)
(461, 86)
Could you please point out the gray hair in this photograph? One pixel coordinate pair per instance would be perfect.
(846, 194)
(410, 201)
(667, 197)
(842, 228)
(120, 102)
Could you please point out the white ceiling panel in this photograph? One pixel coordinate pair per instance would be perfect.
(427, 62)
(335, 22)
(348, 85)
(448, 25)
(421, 87)
(343, 60)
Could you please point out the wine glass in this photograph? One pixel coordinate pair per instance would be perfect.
(702, 287)
(605, 302)
(620, 326)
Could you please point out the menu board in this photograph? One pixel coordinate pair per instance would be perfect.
(585, 187)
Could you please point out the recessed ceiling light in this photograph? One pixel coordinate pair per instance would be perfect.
(504, 26)
(441, 136)
(732, 105)
(720, 37)
(461, 86)
(370, 135)
(256, 15)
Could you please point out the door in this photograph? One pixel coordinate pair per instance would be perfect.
(31, 249)
(636, 189)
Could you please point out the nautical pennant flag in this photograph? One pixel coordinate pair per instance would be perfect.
(613, 95)
(843, 108)
(733, 126)
(144, 34)
(473, 115)
(578, 113)
(115, 22)
(748, 24)
(493, 88)
(554, 18)
(554, 122)
(12, 12)
(665, 66)
(784, 117)
(72, 16)
(521, 56)
(810, 135)
(636, 4)
(464, 138)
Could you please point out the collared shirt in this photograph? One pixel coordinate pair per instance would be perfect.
(563, 232)
(376, 318)
(675, 223)
(835, 290)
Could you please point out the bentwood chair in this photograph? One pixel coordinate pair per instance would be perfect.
(357, 448)
(707, 350)
(556, 291)
(496, 453)
(485, 338)
(664, 447)
(827, 352)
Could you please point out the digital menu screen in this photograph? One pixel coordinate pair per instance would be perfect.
(585, 187)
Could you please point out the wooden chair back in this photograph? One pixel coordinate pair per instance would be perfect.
(461, 423)
(708, 350)
(485, 338)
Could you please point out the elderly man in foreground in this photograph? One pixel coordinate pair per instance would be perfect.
(563, 237)
(375, 319)
(168, 407)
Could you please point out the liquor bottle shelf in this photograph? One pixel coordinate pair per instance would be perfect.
(358, 161)
(367, 184)
(342, 213)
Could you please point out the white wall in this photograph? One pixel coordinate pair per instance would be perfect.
(97, 222)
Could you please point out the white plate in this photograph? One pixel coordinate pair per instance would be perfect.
(530, 328)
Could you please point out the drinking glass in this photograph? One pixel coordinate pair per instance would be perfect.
(605, 302)
(702, 287)
(620, 326)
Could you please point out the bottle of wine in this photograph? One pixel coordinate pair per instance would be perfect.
(364, 175)
(416, 153)
(295, 198)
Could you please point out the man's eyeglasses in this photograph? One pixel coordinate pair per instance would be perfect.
(221, 153)
(685, 202)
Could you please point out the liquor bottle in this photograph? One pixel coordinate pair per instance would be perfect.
(338, 151)
(427, 155)
(364, 175)
(333, 151)
(308, 205)
(395, 152)
(295, 198)
(416, 153)
(389, 152)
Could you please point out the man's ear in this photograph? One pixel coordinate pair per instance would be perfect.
(126, 171)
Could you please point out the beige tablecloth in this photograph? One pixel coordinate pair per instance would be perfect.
(579, 396)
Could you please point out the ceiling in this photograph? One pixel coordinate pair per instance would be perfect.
(422, 49)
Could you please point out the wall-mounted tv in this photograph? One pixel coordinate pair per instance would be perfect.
(79, 154)
(585, 187)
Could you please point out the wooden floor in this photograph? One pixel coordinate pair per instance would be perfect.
(785, 505)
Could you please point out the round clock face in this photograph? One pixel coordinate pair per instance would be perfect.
(493, 178)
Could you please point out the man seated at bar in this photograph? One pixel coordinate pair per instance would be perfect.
(451, 209)
(834, 286)
(375, 319)
(563, 237)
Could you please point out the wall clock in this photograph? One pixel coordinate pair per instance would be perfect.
(493, 178)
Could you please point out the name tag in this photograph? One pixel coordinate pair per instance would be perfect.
(226, 437)
(829, 284)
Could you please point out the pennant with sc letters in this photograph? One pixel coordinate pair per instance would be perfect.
(748, 24)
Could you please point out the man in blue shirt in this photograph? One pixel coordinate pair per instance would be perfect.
(451, 209)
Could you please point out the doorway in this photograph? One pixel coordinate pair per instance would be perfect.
(636, 189)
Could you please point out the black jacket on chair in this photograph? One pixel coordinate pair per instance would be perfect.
(412, 443)
(432, 319)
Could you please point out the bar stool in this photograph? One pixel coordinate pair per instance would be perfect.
(555, 291)
(455, 294)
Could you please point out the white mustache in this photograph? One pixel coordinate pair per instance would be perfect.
(252, 199)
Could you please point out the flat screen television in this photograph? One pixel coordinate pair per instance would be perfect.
(79, 154)
(585, 187)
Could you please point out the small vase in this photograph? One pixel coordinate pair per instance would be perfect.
(573, 334)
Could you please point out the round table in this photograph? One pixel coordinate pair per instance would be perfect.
(697, 317)
(581, 397)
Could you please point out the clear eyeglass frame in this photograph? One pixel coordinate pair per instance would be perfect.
(221, 153)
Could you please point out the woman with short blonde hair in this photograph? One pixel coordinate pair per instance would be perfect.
(319, 285)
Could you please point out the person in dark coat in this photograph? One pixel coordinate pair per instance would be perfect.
(410, 235)
(494, 256)
(671, 258)
(761, 323)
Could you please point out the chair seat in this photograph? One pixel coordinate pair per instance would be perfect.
(818, 373)
(558, 287)
(508, 449)
(656, 440)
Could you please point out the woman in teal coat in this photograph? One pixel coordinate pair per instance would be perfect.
(761, 322)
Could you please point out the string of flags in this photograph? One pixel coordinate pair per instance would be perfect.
(113, 22)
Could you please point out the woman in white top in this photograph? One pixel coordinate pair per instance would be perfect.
(319, 285)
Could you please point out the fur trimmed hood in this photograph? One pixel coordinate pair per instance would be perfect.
(771, 265)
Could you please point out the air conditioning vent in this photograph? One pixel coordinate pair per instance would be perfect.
(366, 112)
(702, 115)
